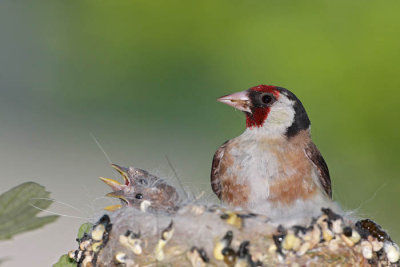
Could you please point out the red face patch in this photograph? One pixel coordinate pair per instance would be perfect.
(257, 117)
(266, 89)
(259, 114)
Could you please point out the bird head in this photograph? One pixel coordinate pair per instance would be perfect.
(140, 186)
(270, 109)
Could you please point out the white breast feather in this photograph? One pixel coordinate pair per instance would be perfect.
(256, 165)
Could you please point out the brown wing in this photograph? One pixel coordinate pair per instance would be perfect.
(315, 156)
(215, 182)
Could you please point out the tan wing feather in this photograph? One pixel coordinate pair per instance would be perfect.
(315, 156)
(215, 182)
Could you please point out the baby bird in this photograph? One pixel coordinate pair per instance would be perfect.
(142, 190)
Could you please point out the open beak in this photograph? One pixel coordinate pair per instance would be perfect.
(113, 207)
(123, 171)
(118, 195)
(239, 100)
(115, 185)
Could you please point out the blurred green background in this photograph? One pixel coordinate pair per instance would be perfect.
(143, 76)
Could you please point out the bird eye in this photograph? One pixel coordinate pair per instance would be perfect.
(267, 99)
(139, 196)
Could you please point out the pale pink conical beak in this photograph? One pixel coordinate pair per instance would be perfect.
(239, 100)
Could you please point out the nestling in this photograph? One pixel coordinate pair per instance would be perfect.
(142, 190)
(272, 168)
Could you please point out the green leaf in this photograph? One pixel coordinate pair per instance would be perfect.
(19, 207)
(65, 261)
(85, 228)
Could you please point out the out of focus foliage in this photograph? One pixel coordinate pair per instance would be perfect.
(148, 72)
(85, 228)
(19, 207)
(65, 260)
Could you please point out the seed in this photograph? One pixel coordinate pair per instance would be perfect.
(355, 236)
(376, 245)
(96, 246)
(98, 231)
(347, 240)
(366, 249)
(337, 226)
(291, 242)
(392, 252)
(120, 257)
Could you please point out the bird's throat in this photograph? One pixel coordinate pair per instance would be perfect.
(257, 117)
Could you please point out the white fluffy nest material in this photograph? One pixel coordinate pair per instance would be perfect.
(143, 234)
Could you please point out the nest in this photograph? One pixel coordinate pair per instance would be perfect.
(156, 229)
